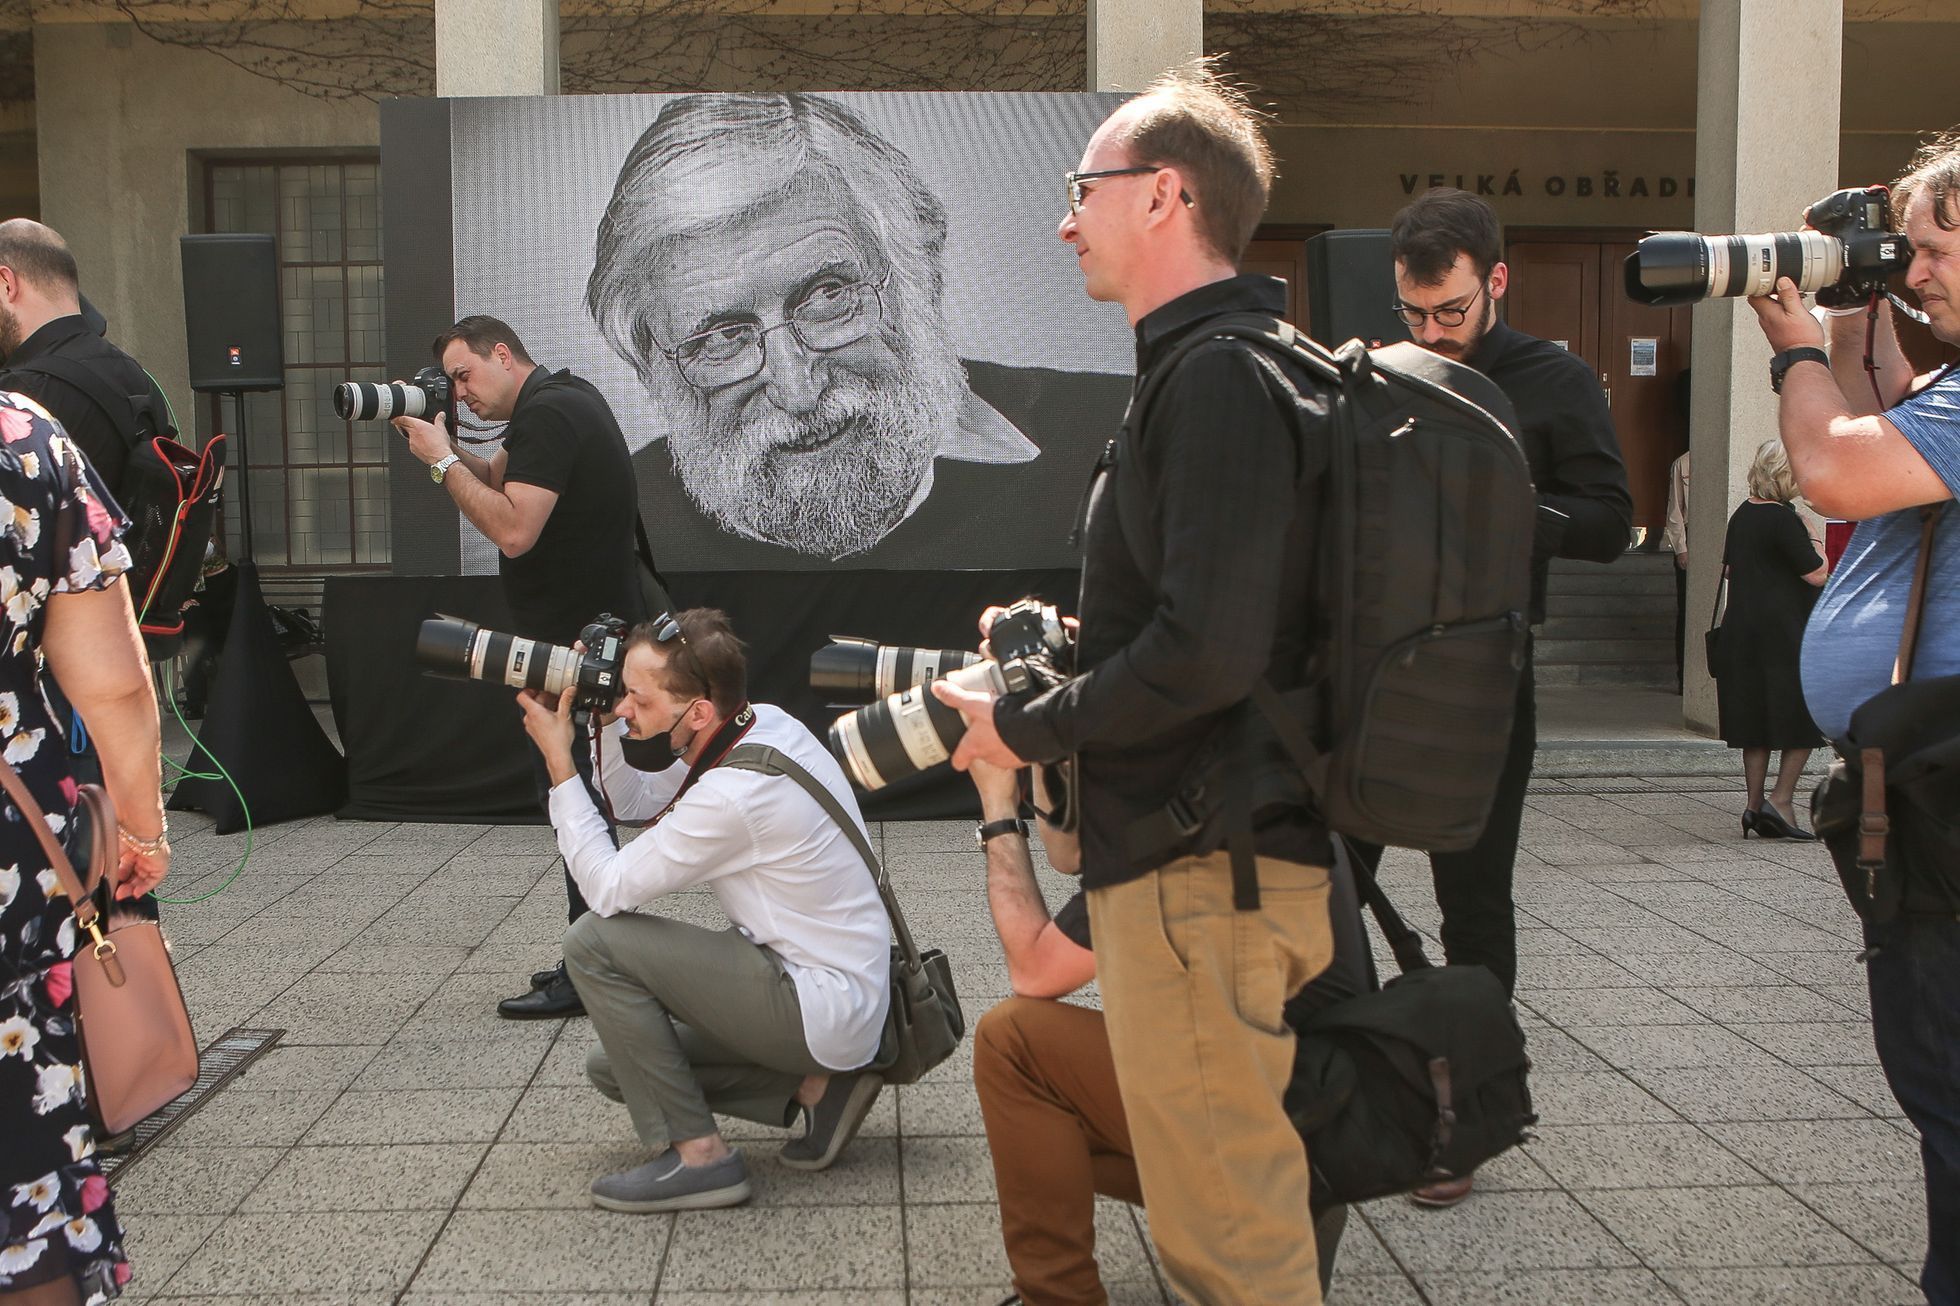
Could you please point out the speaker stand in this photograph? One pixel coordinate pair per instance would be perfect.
(259, 726)
(244, 481)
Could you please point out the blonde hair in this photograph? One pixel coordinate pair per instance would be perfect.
(1770, 476)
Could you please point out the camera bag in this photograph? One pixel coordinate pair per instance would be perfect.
(168, 490)
(1400, 721)
(1889, 810)
(1421, 1081)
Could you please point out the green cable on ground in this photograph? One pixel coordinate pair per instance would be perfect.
(185, 773)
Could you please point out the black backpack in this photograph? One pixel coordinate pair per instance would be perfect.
(168, 490)
(1401, 722)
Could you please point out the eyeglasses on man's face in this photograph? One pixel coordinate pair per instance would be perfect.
(828, 317)
(1448, 316)
(1077, 182)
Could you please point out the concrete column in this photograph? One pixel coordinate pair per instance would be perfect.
(1131, 41)
(1766, 145)
(496, 47)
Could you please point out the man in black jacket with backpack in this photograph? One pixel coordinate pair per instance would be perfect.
(1196, 584)
(56, 355)
(45, 335)
(1449, 277)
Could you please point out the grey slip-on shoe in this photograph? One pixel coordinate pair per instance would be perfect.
(833, 1122)
(667, 1184)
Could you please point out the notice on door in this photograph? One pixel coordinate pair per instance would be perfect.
(1644, 356)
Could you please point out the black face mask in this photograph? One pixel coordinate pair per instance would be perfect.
(655, 754)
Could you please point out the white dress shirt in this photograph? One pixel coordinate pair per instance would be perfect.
(789, 879)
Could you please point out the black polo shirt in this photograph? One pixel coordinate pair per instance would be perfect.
(1196, 581)
(1568, 439)
(563, 437)
(99, 437)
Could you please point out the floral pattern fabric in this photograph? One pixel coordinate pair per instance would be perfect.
(59, 532)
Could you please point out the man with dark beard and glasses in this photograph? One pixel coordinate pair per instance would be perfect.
(1449, 277)
(772, 270)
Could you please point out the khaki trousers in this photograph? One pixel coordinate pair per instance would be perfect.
(1193, 993)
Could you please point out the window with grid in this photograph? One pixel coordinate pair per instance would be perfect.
(319, 486)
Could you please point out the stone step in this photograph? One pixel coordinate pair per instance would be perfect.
(1647, 583)
(1641, 560)
(1645, 675)
(1608, 605)
(1564, 651)
(1624, 623)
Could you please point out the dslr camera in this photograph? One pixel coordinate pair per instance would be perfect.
(1845, 260)
(462, 650)
(423, 395)
(908, 731)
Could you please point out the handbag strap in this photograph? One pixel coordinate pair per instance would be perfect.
(64, 871)
(1929, 517)
(1721, 588)
(773, 761)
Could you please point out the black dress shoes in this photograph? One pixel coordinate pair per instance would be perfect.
(557, 998)
(540, 978)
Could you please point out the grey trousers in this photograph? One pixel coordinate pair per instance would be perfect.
(690, 1022)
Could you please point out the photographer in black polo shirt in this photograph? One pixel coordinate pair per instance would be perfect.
(559, 502)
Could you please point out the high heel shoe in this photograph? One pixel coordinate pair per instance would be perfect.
(1786, 828)
(1771, 825)
(1749, 824)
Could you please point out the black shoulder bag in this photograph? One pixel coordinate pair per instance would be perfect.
(924, 1023)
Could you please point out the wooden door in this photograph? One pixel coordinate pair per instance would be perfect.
(1287, 260)
(1554, 294)
(1569, 290)
(1643, 353)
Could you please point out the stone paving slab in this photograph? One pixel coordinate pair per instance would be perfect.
(1714, 1126)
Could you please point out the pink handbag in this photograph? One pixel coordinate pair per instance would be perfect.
(138, 1051)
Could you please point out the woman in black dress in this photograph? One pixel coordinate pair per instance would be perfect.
(62, 599)
(1774, 573)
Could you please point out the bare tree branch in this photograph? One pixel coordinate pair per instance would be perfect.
(1306, 59)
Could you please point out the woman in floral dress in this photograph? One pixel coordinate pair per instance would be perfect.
(61, 563)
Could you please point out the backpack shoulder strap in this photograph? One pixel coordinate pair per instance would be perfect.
(116, 407)
(765, 760)
(1271, 334)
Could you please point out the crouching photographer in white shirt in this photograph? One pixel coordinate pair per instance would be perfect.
(774, 1019)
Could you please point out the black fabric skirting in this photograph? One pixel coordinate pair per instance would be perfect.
(1763, 707)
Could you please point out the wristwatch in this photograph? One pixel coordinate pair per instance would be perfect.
(1008, 825)
(1789, 358)
(440, 468)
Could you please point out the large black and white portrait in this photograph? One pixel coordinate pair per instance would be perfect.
(839, 330)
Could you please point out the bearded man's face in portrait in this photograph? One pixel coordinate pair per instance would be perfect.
(808, 390)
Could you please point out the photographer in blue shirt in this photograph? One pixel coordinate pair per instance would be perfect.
(1883, 449)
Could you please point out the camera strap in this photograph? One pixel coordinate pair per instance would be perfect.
(719, 746)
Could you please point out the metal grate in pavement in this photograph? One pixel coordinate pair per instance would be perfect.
(216, 1065)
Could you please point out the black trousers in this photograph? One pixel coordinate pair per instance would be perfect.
(541, 777)
(1473, 887)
